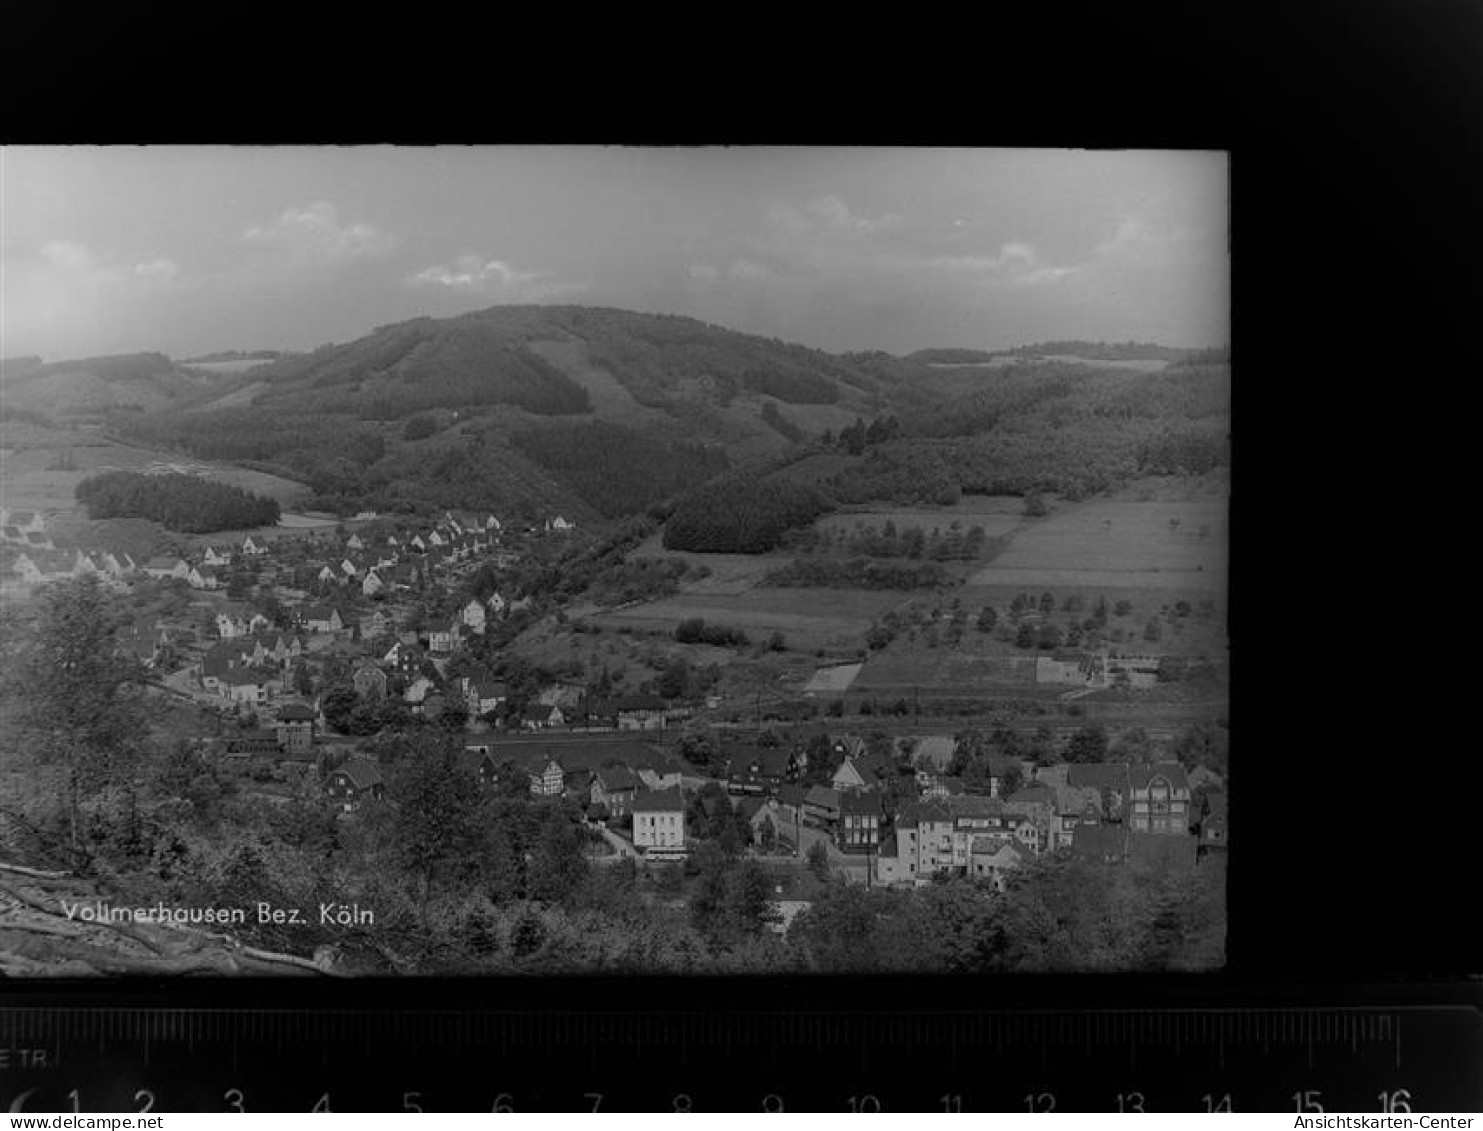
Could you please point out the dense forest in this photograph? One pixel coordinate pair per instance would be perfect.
(618, 470)
(186, 503)
(402, 369)
(741, 514)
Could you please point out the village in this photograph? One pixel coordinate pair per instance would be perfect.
(324, 650)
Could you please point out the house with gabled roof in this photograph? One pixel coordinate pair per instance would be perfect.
(358, 780)
(993, 861)
(1159, 797)
(372, 584)
(254, 548)
(404, 658)
(243, 685)
(854, 776)
(369, 680)
(320, 618)
(232, 623)
(167, 565)
(27, 570)
(354, 542)
(1214, 835)
(217, 556)
(482, 694)
(479, 761)
(472, 616)
(550, 781)
(203, 577)
(615, 787)
(442, 636)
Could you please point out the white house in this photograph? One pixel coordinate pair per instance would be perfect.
(472, 615)
(659, 821)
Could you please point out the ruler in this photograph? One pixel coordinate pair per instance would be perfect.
(1418, 1050)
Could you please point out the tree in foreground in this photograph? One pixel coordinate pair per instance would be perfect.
(80, 696)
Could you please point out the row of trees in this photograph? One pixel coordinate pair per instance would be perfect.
(858, 573)
(887, 541)
(694, 630)
(186, 503)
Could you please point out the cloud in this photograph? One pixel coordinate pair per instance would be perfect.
(474, 273)
(66, 288)
(1016, 264)
(314, 235)
(1009, 256)
(748, 271)
(157, 270)
(836, 215)
(826, 220)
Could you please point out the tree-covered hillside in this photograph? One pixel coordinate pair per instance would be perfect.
(617, 470)
(476, 410)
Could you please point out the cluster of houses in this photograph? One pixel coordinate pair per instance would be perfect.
(250, 661)
(37, 559)
(1106, 812)
(373, 565)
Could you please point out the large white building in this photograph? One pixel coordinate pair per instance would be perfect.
(659, 821)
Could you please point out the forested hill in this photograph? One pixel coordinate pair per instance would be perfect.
(92, 385)
(598, 413)
(494, 357)
(587, 411)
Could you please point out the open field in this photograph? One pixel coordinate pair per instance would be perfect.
(1140, 365)
(835, 678)
(32, 480)
(808, 618)
(1118, 544)
(239, 365)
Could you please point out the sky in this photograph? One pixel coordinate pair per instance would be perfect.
(188, 250)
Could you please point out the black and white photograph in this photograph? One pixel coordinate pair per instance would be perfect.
(530, 560)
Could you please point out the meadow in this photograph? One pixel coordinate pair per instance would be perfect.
(1117, 544)
(44, 478)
